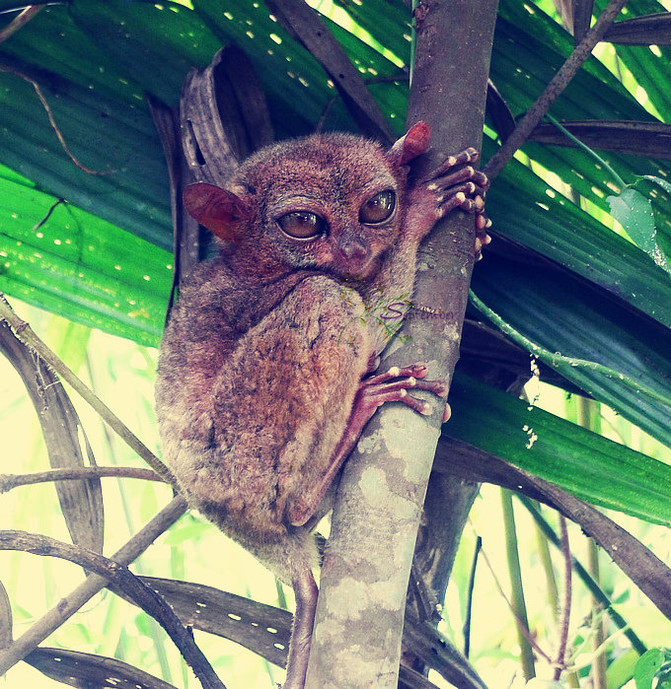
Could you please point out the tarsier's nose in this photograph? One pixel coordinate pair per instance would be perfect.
(353, 249)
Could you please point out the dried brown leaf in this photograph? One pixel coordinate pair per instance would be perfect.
(66, 441)
(79, 669)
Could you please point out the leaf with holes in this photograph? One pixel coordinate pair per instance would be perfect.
(86, 669)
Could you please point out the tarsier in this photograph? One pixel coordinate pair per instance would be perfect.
(267, 371)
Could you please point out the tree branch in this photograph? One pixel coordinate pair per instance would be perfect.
(357, 638)
(141, 594)
(11, 481)
(554, 89)
(67, 606)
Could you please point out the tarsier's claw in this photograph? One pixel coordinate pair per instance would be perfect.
(482, 224)
(447, 412)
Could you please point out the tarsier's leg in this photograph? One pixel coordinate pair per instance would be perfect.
(373, 392)
(305, 592)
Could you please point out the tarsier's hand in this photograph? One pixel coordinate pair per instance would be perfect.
(442, 190)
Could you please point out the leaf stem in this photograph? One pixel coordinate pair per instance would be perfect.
(517, 590)
(21, 20)
(557, 360)
(618, 180)
(566, 607)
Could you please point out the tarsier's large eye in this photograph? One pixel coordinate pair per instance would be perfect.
(379, 208)
(302, 224)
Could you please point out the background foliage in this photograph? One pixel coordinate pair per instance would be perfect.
(562, 273)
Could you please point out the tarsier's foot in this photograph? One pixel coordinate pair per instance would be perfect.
(393, 386)
(465, 189)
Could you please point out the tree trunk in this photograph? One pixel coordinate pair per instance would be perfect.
(357, 637)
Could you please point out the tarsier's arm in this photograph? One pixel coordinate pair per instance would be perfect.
(425, 201)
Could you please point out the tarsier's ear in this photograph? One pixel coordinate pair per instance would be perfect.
(219, 210)
(413, 144)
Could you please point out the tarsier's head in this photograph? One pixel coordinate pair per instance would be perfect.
(331, 203)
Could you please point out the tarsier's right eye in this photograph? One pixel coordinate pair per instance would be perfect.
(379, 208)
(302, 224)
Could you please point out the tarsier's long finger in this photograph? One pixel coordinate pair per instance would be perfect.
(420, 406)
(418, 370)
(450, 203)
(470, 155)
(377, 395)
(393, 386)
(482, 224)
(446, 181)
(470, 190)
(474, 205)
(481, 179)
(437, 387)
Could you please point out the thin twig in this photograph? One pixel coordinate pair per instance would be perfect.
(585, 577)
(119, 575)
(25, 333)
(71, 603)
(10, 481)
(24, 17)
(469, 598)
(52, 121)
(566, 608)
(520, 625)
(552, 91)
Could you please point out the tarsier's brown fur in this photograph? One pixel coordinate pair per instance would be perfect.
(260, 395)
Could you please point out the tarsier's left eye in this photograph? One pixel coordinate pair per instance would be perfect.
(379, 208)
(302, 224)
